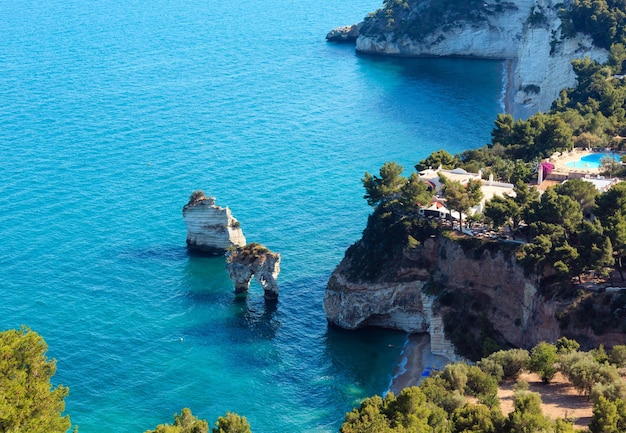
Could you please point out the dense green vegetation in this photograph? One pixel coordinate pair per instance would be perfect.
(604, 20)
(400, 16)
(28, 401)
(463, 398)
(460, 398)
(187, 423)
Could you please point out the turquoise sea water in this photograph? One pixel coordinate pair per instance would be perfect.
(112, 113)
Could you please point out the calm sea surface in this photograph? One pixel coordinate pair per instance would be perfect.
(112, 112)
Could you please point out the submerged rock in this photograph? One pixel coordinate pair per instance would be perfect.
(210, 228)
(254, 260)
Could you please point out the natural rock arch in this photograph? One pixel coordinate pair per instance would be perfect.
(254, 260)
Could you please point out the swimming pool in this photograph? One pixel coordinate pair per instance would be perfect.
(592, 160)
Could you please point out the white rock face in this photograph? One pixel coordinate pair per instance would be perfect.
(401, 306)
(210, 228)
(550, 71)
(541, 56)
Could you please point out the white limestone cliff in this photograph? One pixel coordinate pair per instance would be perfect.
(540, 54)
(394, 305)
(210, 228)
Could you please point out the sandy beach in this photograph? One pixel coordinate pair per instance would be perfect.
(415, 361)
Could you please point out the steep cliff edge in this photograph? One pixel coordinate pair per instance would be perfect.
(211, 229)
(530, 33)
(475, 287)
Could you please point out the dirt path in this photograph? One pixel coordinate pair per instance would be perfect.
(560, 399)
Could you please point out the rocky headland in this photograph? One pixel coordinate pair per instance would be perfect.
(470, 295)
(529, 34)
(254, 260)
(211, 229)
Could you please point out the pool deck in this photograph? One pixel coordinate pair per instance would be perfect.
(561, 169)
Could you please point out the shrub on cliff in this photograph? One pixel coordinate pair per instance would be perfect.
(480, 384)
(608, 416)
(183, 423)
(196, 196)
(231, 423)
(527, 416)
(512, 361)
(618, 356)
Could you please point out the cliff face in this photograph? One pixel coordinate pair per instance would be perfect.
(254, 260)
(486, 283)
(393, 305)
(527, 32)
(210, 228)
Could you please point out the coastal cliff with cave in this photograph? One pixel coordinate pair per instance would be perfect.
(563, 272)
(539, 38)
(466, 293)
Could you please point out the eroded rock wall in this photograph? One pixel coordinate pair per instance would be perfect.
(401, 306)
(500, 289)
(495, 284)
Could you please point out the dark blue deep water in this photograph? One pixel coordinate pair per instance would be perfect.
(112, 112)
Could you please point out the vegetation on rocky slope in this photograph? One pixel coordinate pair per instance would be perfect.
(418, 19)
(463, 398)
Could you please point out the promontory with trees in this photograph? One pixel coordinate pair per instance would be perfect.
(563, 236)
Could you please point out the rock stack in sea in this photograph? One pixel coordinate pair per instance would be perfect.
(211, 229)
(254, 260)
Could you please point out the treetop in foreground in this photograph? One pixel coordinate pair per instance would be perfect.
(186, 422)
(28, 402)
